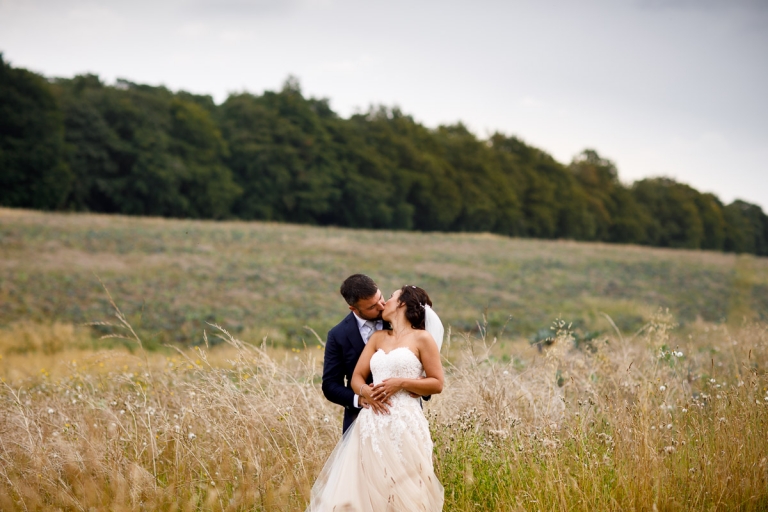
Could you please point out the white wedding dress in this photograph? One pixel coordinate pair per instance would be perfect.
(384, 461)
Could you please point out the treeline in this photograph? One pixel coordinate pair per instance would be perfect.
(78, 144)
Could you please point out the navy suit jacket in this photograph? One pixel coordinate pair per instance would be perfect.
(342, 350)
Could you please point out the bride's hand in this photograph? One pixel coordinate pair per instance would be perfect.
(378, 407)
(386, 388)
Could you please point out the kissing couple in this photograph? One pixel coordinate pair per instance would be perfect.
(380, 362)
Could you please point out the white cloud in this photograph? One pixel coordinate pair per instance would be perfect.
(193, 30)
(235, 36)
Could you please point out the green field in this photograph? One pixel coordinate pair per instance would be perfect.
(265, 279)
(668, 410)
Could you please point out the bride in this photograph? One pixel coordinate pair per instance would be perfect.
(384, 461)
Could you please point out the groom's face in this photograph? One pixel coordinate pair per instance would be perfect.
(370, 308)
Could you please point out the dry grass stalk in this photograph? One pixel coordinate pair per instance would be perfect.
(645, 422)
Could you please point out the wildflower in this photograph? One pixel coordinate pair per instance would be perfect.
(662, 388)
(326, 419)
(176, 428)
(712, 381)
(669, 426)
(191, 436)
(678, 354)
(653, 427)
(505, 372)
(50, 411)
(669, 449)
(685, 410)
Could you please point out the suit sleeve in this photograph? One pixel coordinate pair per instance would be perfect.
(333, 374)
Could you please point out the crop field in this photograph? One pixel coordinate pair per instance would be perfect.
(578, 376)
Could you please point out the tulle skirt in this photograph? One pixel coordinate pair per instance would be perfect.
(382, 463)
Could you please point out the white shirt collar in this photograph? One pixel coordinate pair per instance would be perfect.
(361, 321)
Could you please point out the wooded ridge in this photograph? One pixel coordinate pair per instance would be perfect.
(79, 144)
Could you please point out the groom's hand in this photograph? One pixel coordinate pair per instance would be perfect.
(370, 404)
(378, 407)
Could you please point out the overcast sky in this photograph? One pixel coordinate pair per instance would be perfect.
(661, 87)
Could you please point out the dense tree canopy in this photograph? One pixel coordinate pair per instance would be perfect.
(79, 144)
(33, 167)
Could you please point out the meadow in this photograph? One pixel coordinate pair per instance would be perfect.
(578, 376)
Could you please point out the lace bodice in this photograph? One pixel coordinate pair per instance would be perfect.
(398, 362)
(405, 413)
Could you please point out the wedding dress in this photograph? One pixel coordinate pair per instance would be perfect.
(384, 461)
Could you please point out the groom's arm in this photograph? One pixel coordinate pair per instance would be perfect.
(333, 374)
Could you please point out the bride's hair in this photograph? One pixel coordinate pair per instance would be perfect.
(415, 300)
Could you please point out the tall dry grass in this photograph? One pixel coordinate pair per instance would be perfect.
(648, 422)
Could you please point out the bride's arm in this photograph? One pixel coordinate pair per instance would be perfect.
(432, 384)
(361, 373)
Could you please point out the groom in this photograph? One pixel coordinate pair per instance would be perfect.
(346, 342)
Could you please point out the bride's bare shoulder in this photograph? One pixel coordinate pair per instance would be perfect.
(423, 336)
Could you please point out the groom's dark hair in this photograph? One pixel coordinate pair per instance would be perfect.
(356, 287)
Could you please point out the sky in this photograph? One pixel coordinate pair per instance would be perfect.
(673, 88)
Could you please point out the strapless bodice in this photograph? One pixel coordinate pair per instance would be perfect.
(398, 362)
